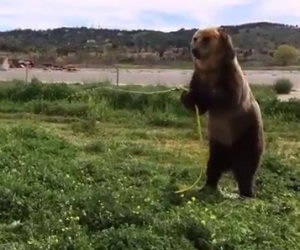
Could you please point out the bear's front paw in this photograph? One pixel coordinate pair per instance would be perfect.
(188, 100)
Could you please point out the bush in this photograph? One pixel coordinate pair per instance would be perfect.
(286, 110)
(21, 92)
(59, 91)
(286, 55)
(25, 92)
(283, 86)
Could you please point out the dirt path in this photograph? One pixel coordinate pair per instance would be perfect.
(141, 76)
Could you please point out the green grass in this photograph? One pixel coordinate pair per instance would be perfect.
(93, 169)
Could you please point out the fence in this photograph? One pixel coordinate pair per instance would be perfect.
(91, 75)
(168, 77)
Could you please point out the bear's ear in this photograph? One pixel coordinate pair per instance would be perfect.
(227, 44)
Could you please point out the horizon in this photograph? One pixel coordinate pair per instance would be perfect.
(135, 15)
(142, 29)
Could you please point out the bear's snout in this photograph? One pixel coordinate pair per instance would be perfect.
(196, 53)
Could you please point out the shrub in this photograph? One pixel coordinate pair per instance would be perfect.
(25, 92)
(57, 92)
(21, 92)
(286, 55)
(283, 86)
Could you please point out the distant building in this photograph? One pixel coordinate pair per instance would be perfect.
(4, 64)
(90, 41)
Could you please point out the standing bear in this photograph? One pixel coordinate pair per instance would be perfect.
(235, 126)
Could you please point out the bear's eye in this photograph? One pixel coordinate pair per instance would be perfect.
(195, 39)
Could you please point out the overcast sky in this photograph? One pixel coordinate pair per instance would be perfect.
(138, 14)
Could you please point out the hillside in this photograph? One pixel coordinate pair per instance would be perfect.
(254, 41)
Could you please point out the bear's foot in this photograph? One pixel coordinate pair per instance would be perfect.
(200, 193)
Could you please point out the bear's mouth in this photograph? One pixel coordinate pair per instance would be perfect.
(196, 53)
(200, 54)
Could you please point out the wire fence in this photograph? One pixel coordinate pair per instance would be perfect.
(136, 76)
(115, 76)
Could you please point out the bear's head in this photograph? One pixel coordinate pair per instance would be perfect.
(211, 48)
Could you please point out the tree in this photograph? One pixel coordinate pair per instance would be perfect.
(286, 55)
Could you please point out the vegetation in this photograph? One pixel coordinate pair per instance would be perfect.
(286, 55)
(283, 86)
(83, 167)
(255, 43)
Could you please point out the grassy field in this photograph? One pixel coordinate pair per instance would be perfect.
(84, 167)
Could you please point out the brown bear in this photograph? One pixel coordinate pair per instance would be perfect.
(235, 126)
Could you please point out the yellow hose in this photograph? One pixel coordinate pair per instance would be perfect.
(199, 130)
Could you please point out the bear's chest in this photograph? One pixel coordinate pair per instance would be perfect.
(220, 130)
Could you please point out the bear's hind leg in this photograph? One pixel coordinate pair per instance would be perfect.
(245, 164)
(247, 153)
(218, 163)
(244, 176)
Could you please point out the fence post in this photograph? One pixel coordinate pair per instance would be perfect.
(26, 73)
(118, 72)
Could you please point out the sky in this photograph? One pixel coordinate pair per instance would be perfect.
(165, 15)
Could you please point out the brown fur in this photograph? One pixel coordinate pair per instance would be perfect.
(235, 124)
